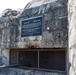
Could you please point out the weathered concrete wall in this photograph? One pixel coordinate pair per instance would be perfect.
(72, 36)
(54, 25)
(9, 24)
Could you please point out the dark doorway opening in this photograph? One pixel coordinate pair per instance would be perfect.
(54, 60)
(28, 58)
(45, 59)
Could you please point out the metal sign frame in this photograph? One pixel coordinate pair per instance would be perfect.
(33, 30)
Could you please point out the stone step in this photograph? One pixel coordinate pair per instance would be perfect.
(15, 71)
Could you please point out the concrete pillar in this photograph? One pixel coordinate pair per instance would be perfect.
(72, 36)
(4, 57)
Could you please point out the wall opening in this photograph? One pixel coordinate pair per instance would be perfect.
(45, 59)
(28, 58)
(54, 60)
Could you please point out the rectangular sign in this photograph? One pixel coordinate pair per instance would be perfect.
(31, 27)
